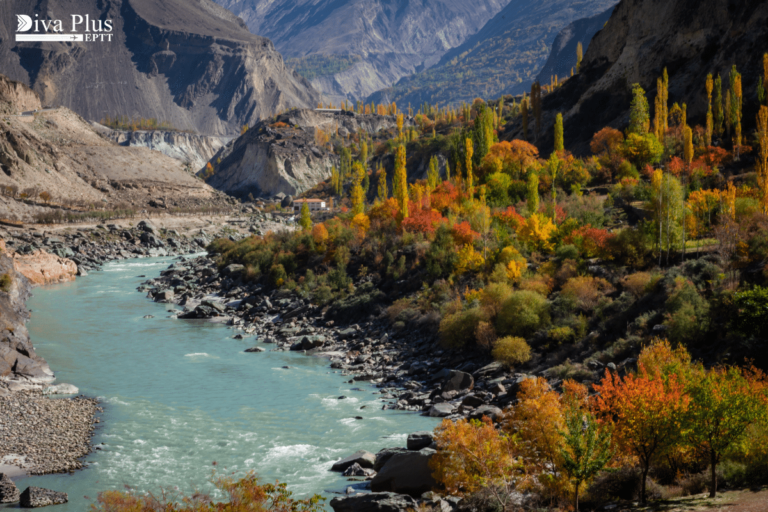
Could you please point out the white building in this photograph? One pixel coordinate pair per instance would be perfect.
(315, 205)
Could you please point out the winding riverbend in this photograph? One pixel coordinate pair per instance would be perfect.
(180, 394)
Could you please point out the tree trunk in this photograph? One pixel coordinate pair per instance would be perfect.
(643, 501)
(713, 469)
(577, 496)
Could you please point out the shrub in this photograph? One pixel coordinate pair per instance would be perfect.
(587, 291)
(512, 351)
(687, 312)
(752, 306)
(458, 329)
(5, 283)
(493, 296)
(567, 252)
(637, 283)
(485, 334)
(562, 335)
(523, 313)
(277, 275)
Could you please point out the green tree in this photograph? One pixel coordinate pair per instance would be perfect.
(533, 193)
(724, 404)
(433, 174)
(306, 220)
(639, 117)
(579, 56)
(559, 143)
(586, 448)
(356, 193)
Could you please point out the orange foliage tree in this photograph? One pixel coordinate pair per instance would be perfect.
(647, 412)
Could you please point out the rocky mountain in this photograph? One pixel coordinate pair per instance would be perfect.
(192, 150)
(351, 48)
(503, 57)
(288, 154)
(562, 59)
(57, 152)
(190, 63)
(691, 38)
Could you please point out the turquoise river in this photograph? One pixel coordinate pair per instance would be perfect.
(179, 395)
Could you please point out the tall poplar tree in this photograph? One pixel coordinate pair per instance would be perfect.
(559, 142)
(717, 108)
(401, 181)
(639, 120)
(579, 56)
(468, 152)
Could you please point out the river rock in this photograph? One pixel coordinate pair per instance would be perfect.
(491, 411)
(164, 296)
(406, 473)
(232, 270)
(374, 502)
(419, 440)
(363, 458)
(9, 493)
(255, 349)
(384, 455)
(147, 226)
(356, 470)
(441, 410)
(458, 381)
(34, 497)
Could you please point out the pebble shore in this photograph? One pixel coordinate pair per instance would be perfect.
(52, 434)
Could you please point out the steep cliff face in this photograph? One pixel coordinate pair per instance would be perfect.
(189, 62)
(192, 150)
(18, 360)
(392, 38)
(284, 155)
(562, 59)
(15, 97)
(503, 57)
(691, 38)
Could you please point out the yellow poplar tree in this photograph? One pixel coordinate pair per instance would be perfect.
(401, 182)
(559, 141)
(579, 56)
(356, 194)
(383, 192)
(710, 84)
(688, 145)
(400, 125)
(469, 151)
(762, 156)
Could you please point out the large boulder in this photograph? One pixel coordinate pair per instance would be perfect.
(9, 493)
(458, 381)
(34, 497)
(148, 227)
(441, 410)
(493, 412)
(419, 440)
(384, 455)
(406, 473)
(374, 502)
(362, 457)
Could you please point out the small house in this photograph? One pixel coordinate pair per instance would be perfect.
(315, 205)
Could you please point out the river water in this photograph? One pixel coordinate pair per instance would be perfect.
(179, 395)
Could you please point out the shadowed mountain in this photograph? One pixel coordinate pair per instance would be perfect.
(503, 57)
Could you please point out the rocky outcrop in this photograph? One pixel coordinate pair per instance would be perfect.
(283, 155)
(406, 473)
(9, 493)
(43, 268)
(192, 150)
(16, 97)
(191, 63)
(503, 57)
(562, 58)
(375, 502)
(691, 38)
(387, 42)
(18, 360)
(35, 497)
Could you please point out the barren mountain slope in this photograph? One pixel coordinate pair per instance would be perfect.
(392, 38)
(58, 152)
(189, 62)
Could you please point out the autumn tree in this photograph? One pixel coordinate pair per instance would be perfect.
(665, 99)
(382, 190)
(579, 56)
(688, 145)
(400, 182)
(647, 412)
(357, 194)
(433, 174)
(639, 120)
(725, 402)
(559, 143)
(305, 220)
(473, 455)
(533, 193)
(400, 125)
(468, 152)
(710, 122)
(762, 157)
(718, 112)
